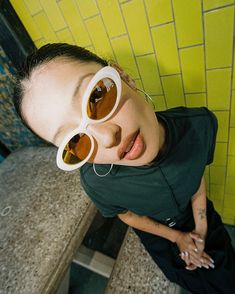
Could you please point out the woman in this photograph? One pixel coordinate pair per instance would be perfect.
(145, 167)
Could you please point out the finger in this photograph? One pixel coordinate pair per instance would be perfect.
(195, 260)
(191, 267)
(196, 237)
(204, 254)
(184, 257)
(207, 261)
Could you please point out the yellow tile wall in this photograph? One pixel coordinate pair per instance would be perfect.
(179, 51)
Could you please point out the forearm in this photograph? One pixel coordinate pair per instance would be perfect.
(199, 208)
(148, 225)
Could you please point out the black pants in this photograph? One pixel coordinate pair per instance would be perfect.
(221, 279)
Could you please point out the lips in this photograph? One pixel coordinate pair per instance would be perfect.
(132, 147)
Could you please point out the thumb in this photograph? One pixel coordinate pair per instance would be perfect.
(196, 237)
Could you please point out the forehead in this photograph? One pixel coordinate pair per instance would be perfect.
(47, 101)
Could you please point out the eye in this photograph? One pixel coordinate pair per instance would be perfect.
(97, 94)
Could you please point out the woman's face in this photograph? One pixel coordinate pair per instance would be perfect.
(129, 137)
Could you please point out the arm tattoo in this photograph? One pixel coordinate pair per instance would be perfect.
(202, 213)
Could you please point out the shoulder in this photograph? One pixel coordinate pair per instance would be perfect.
(184, 112)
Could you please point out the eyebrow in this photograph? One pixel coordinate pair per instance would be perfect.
(77, 88)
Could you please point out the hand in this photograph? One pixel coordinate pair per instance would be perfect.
(191, 246)
(199, 240)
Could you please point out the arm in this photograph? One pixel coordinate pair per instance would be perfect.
(199, 209)
(148, 225)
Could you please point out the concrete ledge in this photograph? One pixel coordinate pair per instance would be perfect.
(135, 271)
(44, 215)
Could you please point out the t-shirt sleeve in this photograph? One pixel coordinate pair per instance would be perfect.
(213, 131)
(105, 208)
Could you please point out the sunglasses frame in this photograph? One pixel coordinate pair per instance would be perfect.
(105, 72)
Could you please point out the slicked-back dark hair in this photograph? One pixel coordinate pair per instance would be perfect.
(44, 55)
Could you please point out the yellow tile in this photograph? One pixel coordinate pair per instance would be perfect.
(27, 20)
(173, 90)
(210, 4)
(193, 69)
(229, 213)
(91, 48)
(230, 186)
(75, 22)
(220, 156)
(159, 103)
(228, 221)
(39, 43)
(87, 8)
(149, 74)
(139, 84)
(53, 13)
(219, 37)
(137, 25)
(195, 100)
(231, 166)
(217, 175)
(217, 192)
(166, 49)
(99, 37)
(188, 19)
(34, 6)
(124, 55)
(229, 201)
(232, 116)
(159, 11)
(231, 149)
(47, 31)
(223, 123)
(112, 17)
(65, 36)
(218, 205)
(218, 87)
(234, 67)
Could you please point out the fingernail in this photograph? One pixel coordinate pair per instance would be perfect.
(186, 253)
(182, 254)
(195, 249)
(212, 265)
(206, 266)
(212, 260)
(201, 240)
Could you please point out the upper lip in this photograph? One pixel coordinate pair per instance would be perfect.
(126, 142)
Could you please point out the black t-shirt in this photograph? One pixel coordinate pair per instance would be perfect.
(164, 188)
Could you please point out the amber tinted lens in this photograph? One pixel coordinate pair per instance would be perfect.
(77, 149)
(102, 99)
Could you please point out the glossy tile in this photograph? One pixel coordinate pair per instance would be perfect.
(220, 155)
(159, 11)
(188, 20)
(45, 26)
(231, 149)
(219, 37)
(193, 69)
(149, 74)
(223, 124)
(217, 175)
(124, 55)
(217, 192)
(27, 19)
(164, 40)
(34, 6)
(231, 166)
(159, 103)
(232, 116)
(112, 17)
(173, 90)
(195, 100)
(210, 4)
(136, 21)
(218, 86)
(87, 8)
(65, 36)
(99, 37)
(230, 186)
(54, 15)
(75, 22)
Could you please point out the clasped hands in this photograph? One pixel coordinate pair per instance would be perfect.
(191, 246)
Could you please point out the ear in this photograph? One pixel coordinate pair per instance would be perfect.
(124, 76)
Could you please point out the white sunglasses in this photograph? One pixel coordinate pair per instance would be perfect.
(99, 101)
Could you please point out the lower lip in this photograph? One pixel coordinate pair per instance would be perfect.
(137, 149)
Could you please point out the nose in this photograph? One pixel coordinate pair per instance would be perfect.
(107, 134)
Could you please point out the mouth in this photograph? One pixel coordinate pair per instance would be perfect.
(132, 147)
